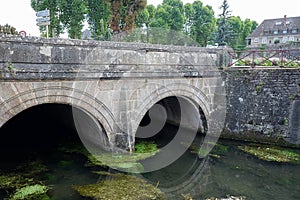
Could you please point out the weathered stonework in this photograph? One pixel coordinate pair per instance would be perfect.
(115, 83)
(259, 102)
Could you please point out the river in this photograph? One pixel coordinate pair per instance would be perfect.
(232, 173)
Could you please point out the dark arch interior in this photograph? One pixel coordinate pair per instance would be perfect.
(176, 109)
(36, 130)
(173, 114)
(46, 135)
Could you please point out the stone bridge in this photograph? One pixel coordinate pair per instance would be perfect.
(112, 86)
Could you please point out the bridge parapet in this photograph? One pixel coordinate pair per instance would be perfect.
(40, 58)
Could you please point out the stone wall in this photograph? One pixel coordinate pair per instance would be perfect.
(40, 58)
(260, 103)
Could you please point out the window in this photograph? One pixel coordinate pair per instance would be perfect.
(256, 40)
(288, 22)
(294, 31)
(276, 41)
(284, 31)
(266, 32)
(264, 40)
(278, 23)
(292, 38)
(284, 39)
(275, 32)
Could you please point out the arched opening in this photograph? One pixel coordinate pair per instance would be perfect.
(169, 114)
(177, 125)
(43, 143)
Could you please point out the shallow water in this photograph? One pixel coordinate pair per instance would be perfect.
(234, 173)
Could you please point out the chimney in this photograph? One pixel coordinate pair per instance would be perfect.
(284, 19)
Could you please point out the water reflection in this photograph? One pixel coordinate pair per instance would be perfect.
(227, 171)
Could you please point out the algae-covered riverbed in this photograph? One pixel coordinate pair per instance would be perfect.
(44, 159)
(228, 171)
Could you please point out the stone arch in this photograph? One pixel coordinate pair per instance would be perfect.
(183, 90)
(61, 95)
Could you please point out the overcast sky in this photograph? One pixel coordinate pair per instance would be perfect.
(19, 13)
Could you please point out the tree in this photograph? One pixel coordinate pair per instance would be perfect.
(174, 14)
(123, 14)
(98, 19)
(223, 34)
(55, 28)
(189, 17)
(72, 16)
(248, 27)
(8, 30)
(234, 31)
(203, 23)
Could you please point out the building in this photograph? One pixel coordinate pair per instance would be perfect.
(275, 31)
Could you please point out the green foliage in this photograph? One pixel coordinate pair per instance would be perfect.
(286, 121)
(8, 30)
(30, 192)
(56, 27)
(269, 153)
(223, 31)
(12, 181)
(23, 175)
(108, 17)
(123, 14)
(259, 87)
(72, 16)
(202, 22)
(219, 149)
(145, 147)
(120, 186)
(98, 19)
(268, 63)
(22, 184)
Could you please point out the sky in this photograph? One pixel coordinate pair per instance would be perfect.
(20, 15)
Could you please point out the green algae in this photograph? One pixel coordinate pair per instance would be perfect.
(32, 168)
(269, 153)
(121, 187)
(36, 191)
(187, 196)
(145, 147)
(21, 184)
(74, 148)
(13, 181)
(129, 162)
(217, 151)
